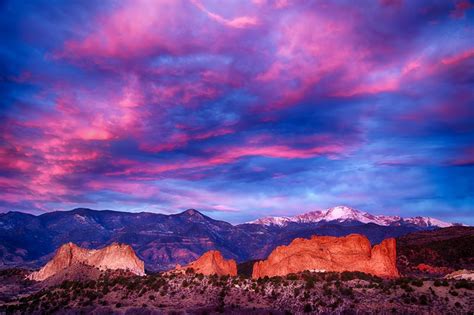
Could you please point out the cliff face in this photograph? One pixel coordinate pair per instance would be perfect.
(328, 253)
(114, 256)
(212, 263)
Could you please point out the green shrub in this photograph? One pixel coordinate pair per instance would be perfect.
(347, 276)
(105, 290)
(332, 276)
(296, 292)
(327, 290)
(199, 276)
(346, 291)
(309, 284)
(423, 300)
(292, 277)
(439, 283)
(276, 280)
(464, 284)
(406, 287)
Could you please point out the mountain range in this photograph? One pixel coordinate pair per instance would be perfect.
(347, 214)
(163, 241)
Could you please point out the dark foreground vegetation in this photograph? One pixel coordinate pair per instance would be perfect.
(347, 292)
(452, 248)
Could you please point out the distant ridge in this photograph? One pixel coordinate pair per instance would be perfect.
(347, 214)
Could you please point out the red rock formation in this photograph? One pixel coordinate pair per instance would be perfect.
(328, 253)
(433, 270)
(212, 263)
(114, 256)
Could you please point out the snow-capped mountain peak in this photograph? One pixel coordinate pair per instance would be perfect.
(341, 214)
(344, 213)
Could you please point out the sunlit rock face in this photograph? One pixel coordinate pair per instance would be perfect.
(328, 253)
(461, 274)
(212, 263)
(113, 257)
(433, 270)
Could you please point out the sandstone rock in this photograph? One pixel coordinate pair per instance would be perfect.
(328, 253)
(211, 263)
(433, 269)
(115, 256)
(461, 274)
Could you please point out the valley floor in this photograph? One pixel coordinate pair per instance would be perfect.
(326, 293)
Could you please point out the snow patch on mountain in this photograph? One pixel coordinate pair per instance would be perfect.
(427, 222)
(279, 221)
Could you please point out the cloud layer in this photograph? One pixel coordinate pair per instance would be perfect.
(246, 109)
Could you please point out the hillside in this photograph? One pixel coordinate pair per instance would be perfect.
(321, 293)
(451, 247)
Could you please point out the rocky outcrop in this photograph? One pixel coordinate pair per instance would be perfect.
(433, 270)
(461, 274)
(328, 253)
(212, 263)
(113, 257)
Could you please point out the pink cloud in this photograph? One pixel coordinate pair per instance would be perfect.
(391, 3)
(181, 139)
(387, 84)
(312, 47)
(238, 22)
(222, 157)
(448, 110)
(458, 58)
(460, 8)
(276, 151)
(159, 90)
(10, 160)
(138, 189)
(136, 28)
(466, 158)
(146, 27)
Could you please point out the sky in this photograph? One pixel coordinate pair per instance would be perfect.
(240, 109)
